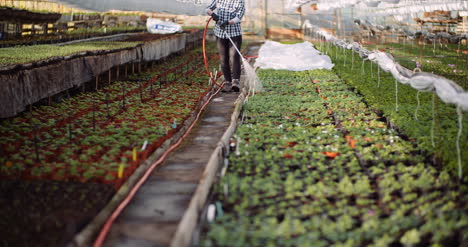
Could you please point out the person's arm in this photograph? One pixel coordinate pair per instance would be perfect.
(240, 11)
(211, 7)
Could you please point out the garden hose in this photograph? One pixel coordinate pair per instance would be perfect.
(205, 58)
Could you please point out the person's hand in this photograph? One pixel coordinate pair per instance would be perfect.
(215, 17)
(209, 12)
(223, 25)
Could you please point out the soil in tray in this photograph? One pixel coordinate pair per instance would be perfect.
(47, 213)
(145, 37)
(150, 37)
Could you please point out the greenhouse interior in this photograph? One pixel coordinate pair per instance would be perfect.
(234, 123)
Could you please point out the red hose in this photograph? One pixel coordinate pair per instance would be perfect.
(205, 58)
(105, 229)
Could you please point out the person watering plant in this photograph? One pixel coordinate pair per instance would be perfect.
(228, 19)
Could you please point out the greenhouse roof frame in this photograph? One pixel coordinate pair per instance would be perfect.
(385, 7)
(181, 7)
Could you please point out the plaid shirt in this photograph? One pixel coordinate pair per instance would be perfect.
(228, 10)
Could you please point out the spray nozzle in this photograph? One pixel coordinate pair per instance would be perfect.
(223, 25)
(215, 17)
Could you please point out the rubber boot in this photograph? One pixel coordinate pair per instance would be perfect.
(235, 85)
(227, 87)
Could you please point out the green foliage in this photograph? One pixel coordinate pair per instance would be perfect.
(381, 96)
(313, 165)
(27, 54)
(447, 60)
(73, 147)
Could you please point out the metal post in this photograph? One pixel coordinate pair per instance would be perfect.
(301, 17)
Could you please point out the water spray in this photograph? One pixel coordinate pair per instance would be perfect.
(252, 82)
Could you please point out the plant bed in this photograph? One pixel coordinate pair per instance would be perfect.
(48, 213)
(313, 165)
(89, 145)
(78, 34)
(28, 54)
(94, 135)
(447, 60)
(433, 124)
(27, 84)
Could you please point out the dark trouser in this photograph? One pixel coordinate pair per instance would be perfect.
(226, 52)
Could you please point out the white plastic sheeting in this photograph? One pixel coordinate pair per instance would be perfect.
(448, 91)
(432, 37)
(334, 4)
(295, 57)
(407, 9)
(294, 4)
(326, 6)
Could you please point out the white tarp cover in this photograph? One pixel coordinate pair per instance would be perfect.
(165, 6)
(447, 90)
(162, 27)
(295, 57)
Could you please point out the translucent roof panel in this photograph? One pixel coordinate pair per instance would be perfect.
(183, 7)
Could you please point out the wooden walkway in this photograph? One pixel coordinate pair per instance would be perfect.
(152, 218)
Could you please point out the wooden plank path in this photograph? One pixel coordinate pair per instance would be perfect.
(153, 216)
